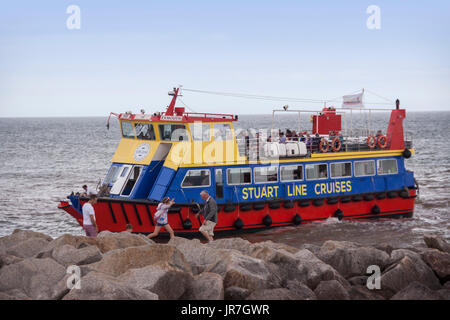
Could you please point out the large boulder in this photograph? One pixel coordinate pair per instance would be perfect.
(436, 242)
(273, 294)
(399, 254)
(206, 286)
(167, 282)
(6, 259)
(331, 290)
(68, 255)
(301, 291)
(311, 271)
(36, 278)
(27, 248)
(107, 241)
(66, 239)
(349, 259)
(99, 286)
(119, 261)
(361, 292)
(236, 293)
(407, 270)
(21, 235)
(243, 271)
(199, 256)
(439, 262)
(416, 291)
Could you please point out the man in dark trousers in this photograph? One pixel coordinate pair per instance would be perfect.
(209, 212)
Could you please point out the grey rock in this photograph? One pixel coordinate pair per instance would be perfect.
(331, 290)
(358, 280)
(27, 248)
(99, 286)
(399, 254)
(311, 270)
(167, 282)
(67, 255)
(107, 241)
(416, 291)
(407, 270)
(436, 242)
(119, 261)
(439, 262)
(19, 236)
(66, 239)
(36, 278)
(350, 259)
(6, 259)
(444, 293)
(206, 286)
(198, 255)
(301, 291)
(272, 294)
(14, 294)
(361, 292)
(236, 293)
(243, 271)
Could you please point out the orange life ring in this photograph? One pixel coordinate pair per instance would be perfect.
(322, 147)
(371, 141)
(382, 145)
(333, 144)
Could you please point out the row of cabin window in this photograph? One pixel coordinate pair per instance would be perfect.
(236, 176)
(177, 132)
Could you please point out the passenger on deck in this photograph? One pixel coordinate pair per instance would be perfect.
(316, 141)
(294, 136)
(282, 138)
(288, 134)
(88, 191)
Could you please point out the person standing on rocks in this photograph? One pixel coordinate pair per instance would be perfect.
(209, 212)
(89, 223)
(161, 216)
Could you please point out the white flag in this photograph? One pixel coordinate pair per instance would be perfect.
(353, 101)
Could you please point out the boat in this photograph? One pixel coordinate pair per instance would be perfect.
(258, 182)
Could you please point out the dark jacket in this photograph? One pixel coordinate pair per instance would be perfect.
(209, 210)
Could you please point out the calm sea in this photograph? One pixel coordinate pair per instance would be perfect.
(45, 159)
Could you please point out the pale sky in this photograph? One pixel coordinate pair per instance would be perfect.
(128, 54)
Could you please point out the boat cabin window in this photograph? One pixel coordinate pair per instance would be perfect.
(197, 178)
(239, 175)
(222, 131)
(200, 131)
(134, 176)
(341, 169)
(316, 171)
(219, 183)
(144, 131)
(266, 174)
(127, 129)
(173, 132)
(112, 175)
(387, 166)
(291, 173)
(364, 168)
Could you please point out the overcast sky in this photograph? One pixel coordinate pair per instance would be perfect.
(128, 54)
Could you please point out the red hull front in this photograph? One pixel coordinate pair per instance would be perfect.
(114, 214)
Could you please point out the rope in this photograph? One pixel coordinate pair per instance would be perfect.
(274, 98)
